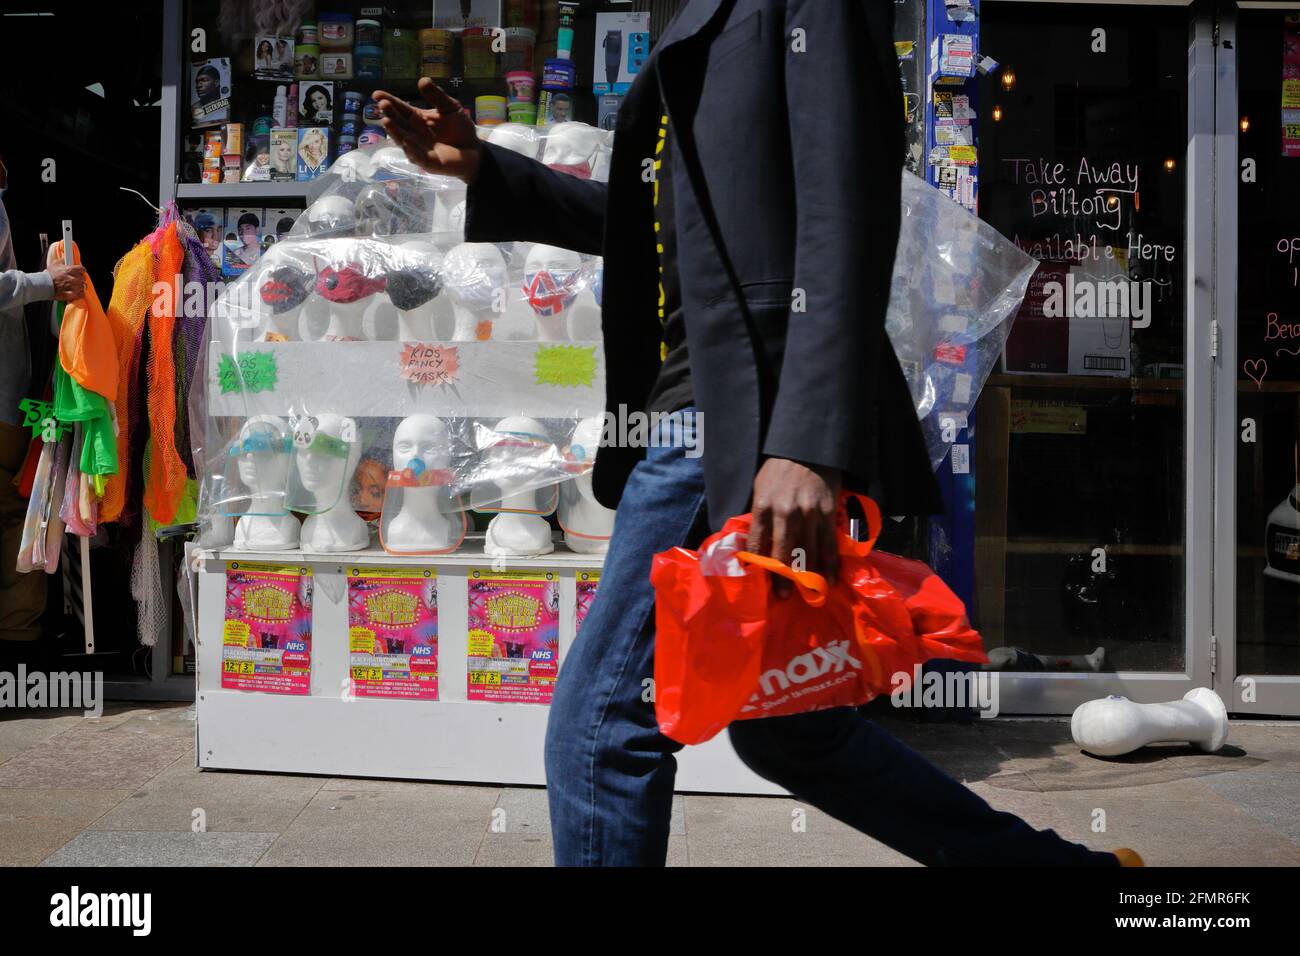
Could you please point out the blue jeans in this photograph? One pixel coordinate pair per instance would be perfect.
(610, 772)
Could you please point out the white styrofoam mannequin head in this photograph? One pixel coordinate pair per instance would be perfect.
(583, 447)
(588, 525)
(514, 449)
(332, 215)
(552, 280)
(573, 144)
(263, 457)
(263, 462)
(1116, 725)
(324, 472)
(475, 274)
(327, 451)
(423, 439)
(356, 165)
(415, 518)
(515, 137)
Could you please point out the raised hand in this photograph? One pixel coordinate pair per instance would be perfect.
(439, 139)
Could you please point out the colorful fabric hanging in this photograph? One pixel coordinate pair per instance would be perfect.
(127, 308)
(165, 475)
(75, 403)
(87, 345)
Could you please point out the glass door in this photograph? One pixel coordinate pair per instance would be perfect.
(1092, 573)
(1257, 574)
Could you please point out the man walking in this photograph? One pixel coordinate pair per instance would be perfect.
(745, 289)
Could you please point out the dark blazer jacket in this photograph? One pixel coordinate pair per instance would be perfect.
(787, 126)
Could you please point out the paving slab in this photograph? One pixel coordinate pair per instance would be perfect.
(144, 848)
(175, 720)
(34, 823)
(761, 831)
(1271, 798)
(365, 783)
(1276, 746)
(1179, 823)
(514, 849)
(229, 801)
(92, 761)
(440, 825)
(21, 729)
(525, 809)
(1037, 809)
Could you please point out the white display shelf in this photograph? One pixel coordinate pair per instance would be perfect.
(363, 380)
(470, 553)
(217, 193)
(330, 732)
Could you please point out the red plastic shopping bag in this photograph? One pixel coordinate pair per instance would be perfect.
(726, 650)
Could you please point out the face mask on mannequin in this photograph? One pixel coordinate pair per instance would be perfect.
(408, 289)
(285, 288)
(346, 285)
(550, 292)
(581, 170)
(477, 292)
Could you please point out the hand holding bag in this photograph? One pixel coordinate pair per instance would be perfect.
(726, 649)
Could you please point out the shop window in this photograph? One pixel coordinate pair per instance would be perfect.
(1268, 344)
(1080, 509)
(278, 91)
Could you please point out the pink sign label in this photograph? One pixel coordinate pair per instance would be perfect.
(514, 635)
(266, 638)
(393, 632)
(426, 364)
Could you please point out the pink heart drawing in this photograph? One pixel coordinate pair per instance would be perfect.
(1256, 369)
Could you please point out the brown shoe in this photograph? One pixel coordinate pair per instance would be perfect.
(1128, 857)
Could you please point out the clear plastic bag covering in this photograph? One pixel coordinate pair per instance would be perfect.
(956, 287)
(374, 362)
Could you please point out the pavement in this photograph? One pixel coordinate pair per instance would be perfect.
(122, 789)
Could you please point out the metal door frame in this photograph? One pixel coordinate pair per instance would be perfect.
(1243, 693)
(1061, 693)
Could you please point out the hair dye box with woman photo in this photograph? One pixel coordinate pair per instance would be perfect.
(313, 151)
(273, 57)
(284, 154)
(316, 103)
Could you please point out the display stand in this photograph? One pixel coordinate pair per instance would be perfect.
(331, 732)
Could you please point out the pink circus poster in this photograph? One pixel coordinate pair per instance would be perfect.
(393, 632)
(266, 638)
(514, 635)
(587, 582)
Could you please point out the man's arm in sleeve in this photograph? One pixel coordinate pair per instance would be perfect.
(517, 199)
(847, 195)
(19, 288)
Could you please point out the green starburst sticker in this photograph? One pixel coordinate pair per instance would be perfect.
(566, 365)
(253, 372)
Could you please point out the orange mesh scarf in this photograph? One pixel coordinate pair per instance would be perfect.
(165, 473)
(132, 291)
(87, 349)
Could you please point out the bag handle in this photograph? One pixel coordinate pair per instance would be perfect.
(812, 586)
(871, 511)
